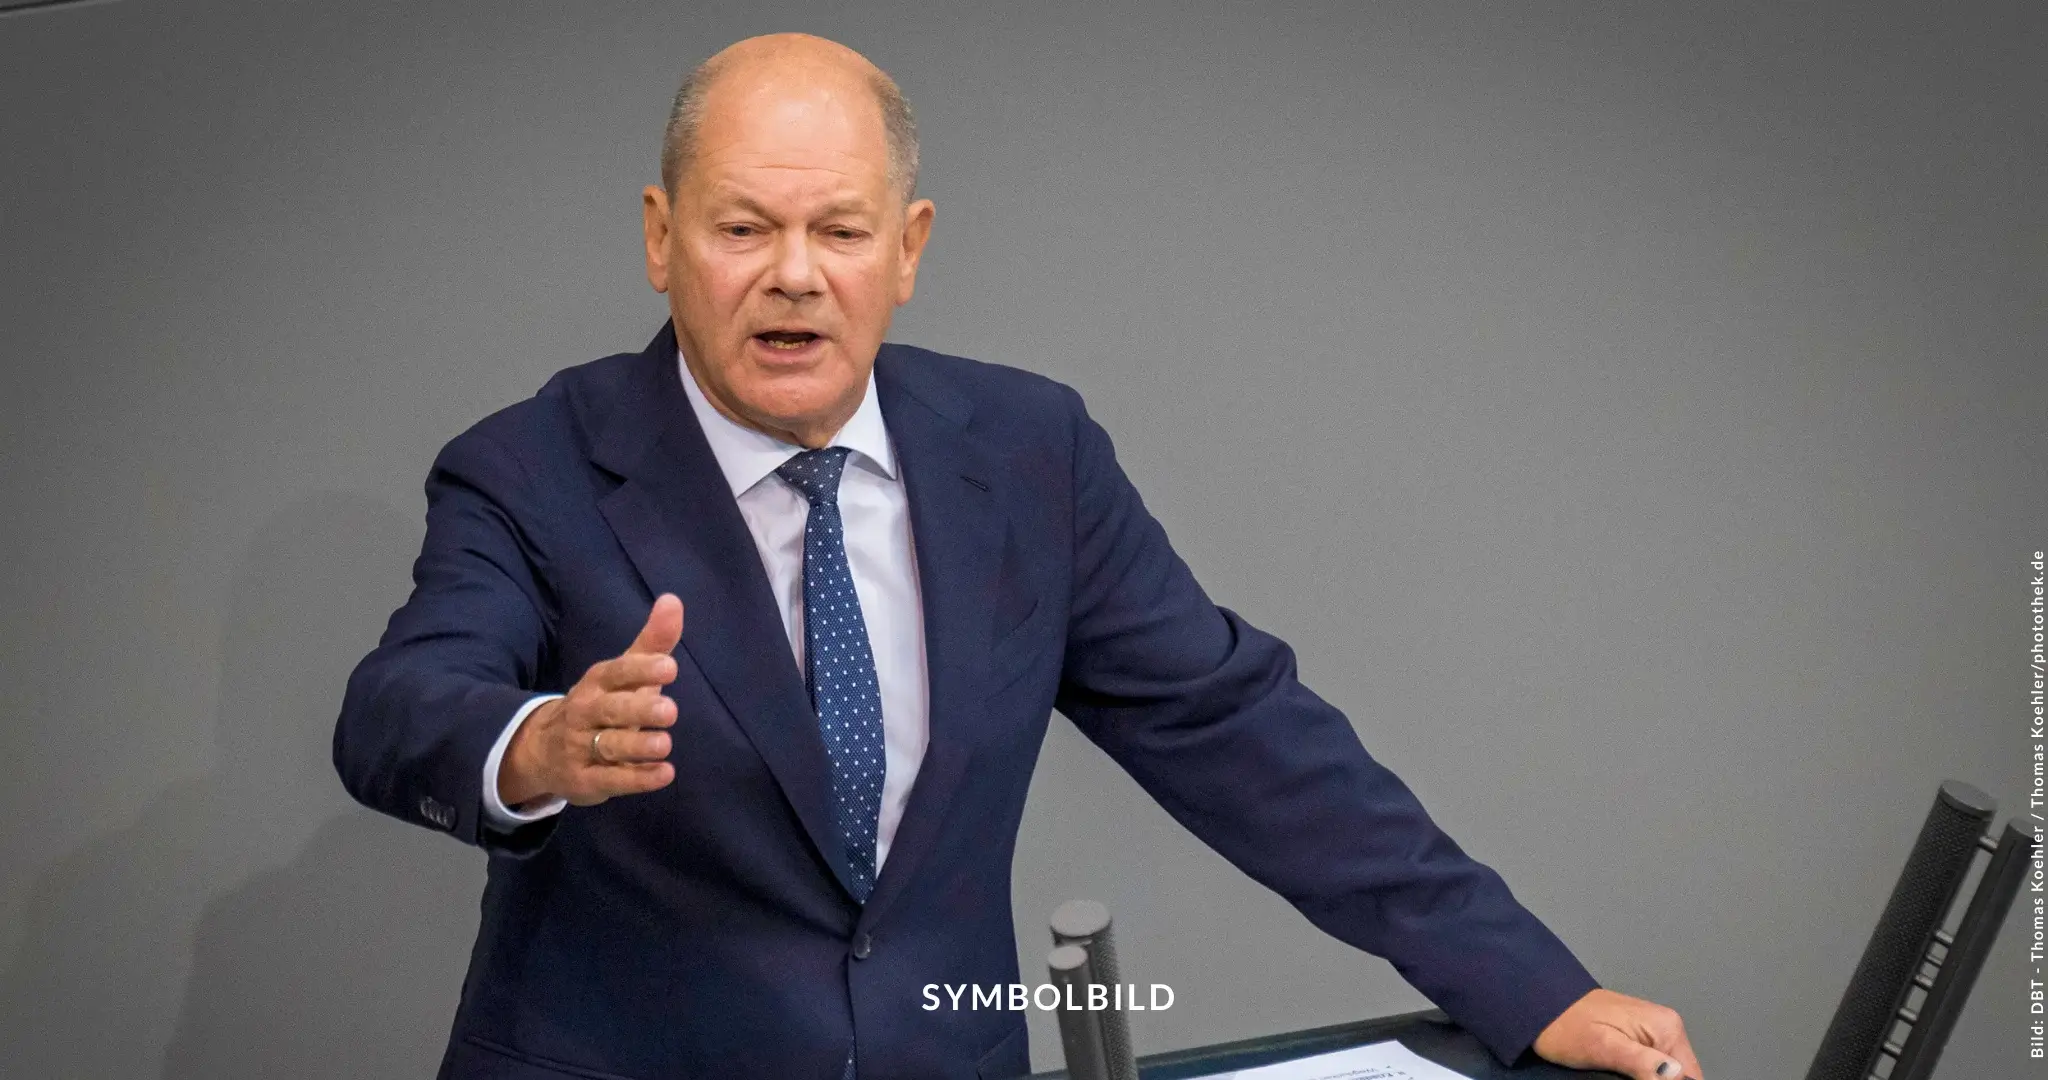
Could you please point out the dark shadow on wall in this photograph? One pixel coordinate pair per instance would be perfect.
(213, 926)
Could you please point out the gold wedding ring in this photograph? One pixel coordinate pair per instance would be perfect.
(597, 751)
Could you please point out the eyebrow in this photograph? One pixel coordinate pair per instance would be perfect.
(854, 205)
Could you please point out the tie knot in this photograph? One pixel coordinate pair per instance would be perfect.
(816, 473)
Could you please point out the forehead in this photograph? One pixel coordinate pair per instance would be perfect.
(812, 132)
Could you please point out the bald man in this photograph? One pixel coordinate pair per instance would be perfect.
(736, 653)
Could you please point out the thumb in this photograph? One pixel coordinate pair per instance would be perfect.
(664, 629)
(1615, 1050)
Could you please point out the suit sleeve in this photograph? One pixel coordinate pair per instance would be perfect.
(1205, 712)
(456, 661)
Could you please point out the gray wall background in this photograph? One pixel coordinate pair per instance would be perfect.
(1633, 414)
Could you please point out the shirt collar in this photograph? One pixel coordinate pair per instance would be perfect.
(745, 456)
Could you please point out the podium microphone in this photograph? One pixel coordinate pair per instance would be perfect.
(1080, 1030)
(1084, 924)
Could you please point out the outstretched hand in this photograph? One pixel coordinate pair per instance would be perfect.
(1605, 1030)
(606, 736)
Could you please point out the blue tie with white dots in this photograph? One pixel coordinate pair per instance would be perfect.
(839, 668)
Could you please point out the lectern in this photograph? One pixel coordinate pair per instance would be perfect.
(1900, 1006)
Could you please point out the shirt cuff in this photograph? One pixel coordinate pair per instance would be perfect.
(495, 810)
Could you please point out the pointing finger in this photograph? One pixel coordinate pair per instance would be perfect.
(632, 671)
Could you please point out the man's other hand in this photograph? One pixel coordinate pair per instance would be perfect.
(605, 737)
(1605, 1030)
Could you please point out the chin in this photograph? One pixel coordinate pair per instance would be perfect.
(796, 401)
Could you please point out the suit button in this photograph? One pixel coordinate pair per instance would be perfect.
(863, 945)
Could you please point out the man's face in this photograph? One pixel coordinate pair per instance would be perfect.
(785, 251)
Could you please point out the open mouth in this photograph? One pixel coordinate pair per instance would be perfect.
(786, 340)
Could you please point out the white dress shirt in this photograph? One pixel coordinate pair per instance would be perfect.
(876, 514)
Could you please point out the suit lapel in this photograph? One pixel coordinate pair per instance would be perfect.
(957, 529)
(679, 524)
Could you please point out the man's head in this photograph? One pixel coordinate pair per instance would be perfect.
(785, 232)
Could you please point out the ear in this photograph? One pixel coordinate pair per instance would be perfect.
(917, 228)
(656, 223)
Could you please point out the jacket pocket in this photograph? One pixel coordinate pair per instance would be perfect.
(1019, 649)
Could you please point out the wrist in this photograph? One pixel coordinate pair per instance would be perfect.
(520, 779)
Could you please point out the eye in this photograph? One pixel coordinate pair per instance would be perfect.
(740, 231)
(844, 233)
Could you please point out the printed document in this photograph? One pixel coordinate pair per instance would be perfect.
(1378, 1061)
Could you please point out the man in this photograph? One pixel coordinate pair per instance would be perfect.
(742, 848)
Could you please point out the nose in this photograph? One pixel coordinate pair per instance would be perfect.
(795, 274)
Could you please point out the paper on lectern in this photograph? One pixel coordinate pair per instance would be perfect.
(1378, 1061)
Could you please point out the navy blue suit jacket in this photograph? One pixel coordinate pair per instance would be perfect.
(706, 929)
